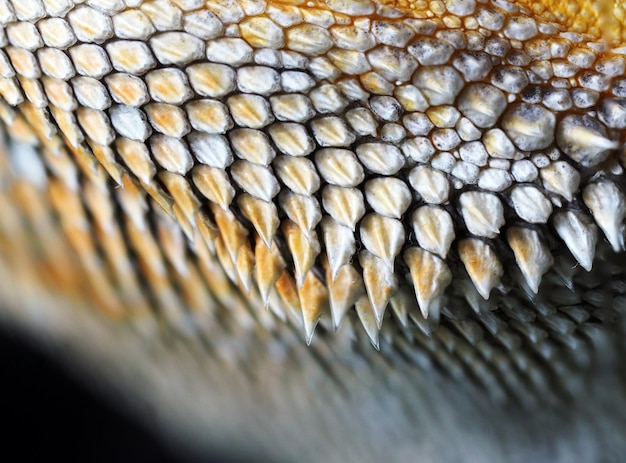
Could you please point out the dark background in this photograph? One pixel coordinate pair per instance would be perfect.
(45, 414)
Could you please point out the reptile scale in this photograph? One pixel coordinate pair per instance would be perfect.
(328, 230)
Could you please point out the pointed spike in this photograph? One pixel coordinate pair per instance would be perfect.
(516, 274)
(425, 326)
(215, 277)
(383, 237)
(368, 319)
(580, 235)
(564, 269)
(482, 212)
(159, 196)
(380, 283)
(469, 329)
(431, 276)
(99, 204)
(402, 303)
(482, 265)
(181, 219)
(305, 211)
(608, 206)
(179, 188)
(245, 266)
(136, 156)
(303, 250)
(431, 184)
(434, 229)
(63, 167)
(314, 299)
(447, 338)
(345, 205)
(262, 215)
(562, 178)
(297, 173)
(276, 305)
(492, 323)
(530, 203)
(207, 229)
(531, 254)
(339, 243)
(106, 157)
(255, 179)
(172, 243)
(225, 259)
(388, 196)
(288, 291)
(233, 233)
(344, 289)
(133, 202)
(214, 184)
(268, 268)
(66, 122)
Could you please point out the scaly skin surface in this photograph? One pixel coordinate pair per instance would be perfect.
(194, 191)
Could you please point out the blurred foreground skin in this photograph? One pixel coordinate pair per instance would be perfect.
(336, 231)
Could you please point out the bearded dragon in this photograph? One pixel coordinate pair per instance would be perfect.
(344, 230)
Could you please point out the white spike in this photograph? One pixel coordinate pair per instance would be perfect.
(469, 329)
(344, 290)
(207, 229)
(287, 289)
(584, 139)
(426, 326)
(380, 158)
(380, 283)
(431, 184)
(388, 196)
(531, 253)
(277, 306)
(471, 295)
(579, 234)
(482, 265)
(304, 250)
(564, 268)
(225, 260)
(245, 266)
(313, 298)
(340, 244)
(383, 237)
(184, 198)
(305, 211)
(368, 319)
(339, 167)
(561, 178)
(257, 180)
(262, 214)
(482, 212)
(268, 268)
(434, 229)
(608, 206)
(232, 231)
(252, 145)
(431, 276)
(298, 174)
(172, 243)
(402, 303)
(531, 204)
(345, 205)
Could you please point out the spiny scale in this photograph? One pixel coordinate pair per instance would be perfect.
(330, 160)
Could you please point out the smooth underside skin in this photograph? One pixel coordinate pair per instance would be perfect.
(337, 230)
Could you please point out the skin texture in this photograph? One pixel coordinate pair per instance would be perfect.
(192, 193)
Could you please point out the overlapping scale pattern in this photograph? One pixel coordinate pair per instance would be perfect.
(335, 159)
